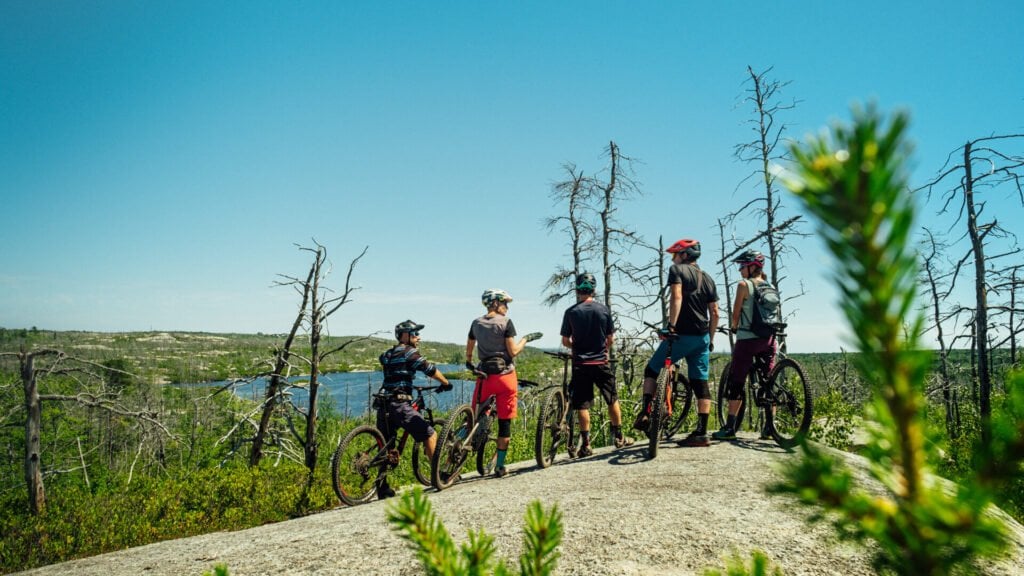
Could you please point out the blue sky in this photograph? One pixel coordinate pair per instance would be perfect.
(161, 160)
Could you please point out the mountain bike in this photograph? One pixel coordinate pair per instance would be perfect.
(468, 431)
(659, 412)
(364, 458)
(783, 404)
(556, 421)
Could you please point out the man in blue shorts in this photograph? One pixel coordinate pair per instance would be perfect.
(400, 364)
(588, 330)
(693, 315)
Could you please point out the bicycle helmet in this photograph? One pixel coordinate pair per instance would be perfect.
(586, 283)
(493, 296)
(750, 258)
(686, 246)
(406, 327)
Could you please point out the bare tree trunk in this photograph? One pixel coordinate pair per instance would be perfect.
(947, 393)
(981, 297)
(33, 430)
(728, 286)
(606, 209)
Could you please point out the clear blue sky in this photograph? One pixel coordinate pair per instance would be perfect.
(160, 160)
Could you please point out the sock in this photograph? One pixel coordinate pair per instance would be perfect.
(501, 458)
(702, 424)
(617, 431)
(730, 422)
(585, 435)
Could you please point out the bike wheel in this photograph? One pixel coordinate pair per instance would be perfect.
(682, 404)
(749, 416)
(452, 448)
(420, 462)
(789, 418)
(357, 463)
(657, 413)
(487, 451)
(550, 434)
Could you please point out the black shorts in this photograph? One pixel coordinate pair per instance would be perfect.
(399, 415)
(585, 377)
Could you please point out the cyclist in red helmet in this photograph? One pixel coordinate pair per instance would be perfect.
(748, 345)
(693, 315)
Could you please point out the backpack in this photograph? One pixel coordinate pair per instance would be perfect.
(767, 310)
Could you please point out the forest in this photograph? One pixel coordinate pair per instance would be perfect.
(108, 441)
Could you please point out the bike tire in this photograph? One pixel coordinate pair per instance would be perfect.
(682, 405)
(657, 414)
(487, 451)
(358, 464)
(421, 464)
(550, 431)
(452, 448)
(792, 404)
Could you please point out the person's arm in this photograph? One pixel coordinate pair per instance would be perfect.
(675, 303)
(470, 344)
(712, 320)
(567, 342)
(737, 306)
(514, 348)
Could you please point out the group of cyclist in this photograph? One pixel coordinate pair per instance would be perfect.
(588, 331)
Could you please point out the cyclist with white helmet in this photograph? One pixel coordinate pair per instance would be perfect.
(748, 345)
(494, 337)
(400, 364)
(589, 332)
(693, 316)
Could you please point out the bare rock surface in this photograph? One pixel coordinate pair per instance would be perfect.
(679, 514)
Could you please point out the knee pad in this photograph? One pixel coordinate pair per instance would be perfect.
(701, 389)
(504, 427)
(734, 390)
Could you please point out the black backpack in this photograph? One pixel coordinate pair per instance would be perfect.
(767, 310)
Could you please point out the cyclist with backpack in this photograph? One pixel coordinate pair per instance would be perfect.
(588, 331)
(693, 315)
(494, 337)
(754, 338)
(400, 364)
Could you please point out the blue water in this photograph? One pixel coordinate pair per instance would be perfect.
(349, 393)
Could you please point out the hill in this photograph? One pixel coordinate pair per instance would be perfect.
(679, 514)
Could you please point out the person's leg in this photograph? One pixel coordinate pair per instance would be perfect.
(506, 389)
(695, 350)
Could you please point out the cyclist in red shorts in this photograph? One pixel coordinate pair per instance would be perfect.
(494, 337)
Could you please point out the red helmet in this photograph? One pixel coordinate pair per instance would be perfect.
(686, 246)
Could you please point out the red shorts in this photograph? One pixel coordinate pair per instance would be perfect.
(505, 387)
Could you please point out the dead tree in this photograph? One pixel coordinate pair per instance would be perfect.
(763, 151)
(997, 169)
(322, 303)
(934, 280)
(576, 193)
(38, 366)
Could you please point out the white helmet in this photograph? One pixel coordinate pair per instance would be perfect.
(492, 296)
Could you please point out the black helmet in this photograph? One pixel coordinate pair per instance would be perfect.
(750, 257)
(586, 282)
(406, 327)
(686, 246)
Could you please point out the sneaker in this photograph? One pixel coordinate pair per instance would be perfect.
(500, 472)
(385, 492)
(725, 433)
(695, 439)
(642, 423)
(764, 435)
(624, 441)
(584, 451)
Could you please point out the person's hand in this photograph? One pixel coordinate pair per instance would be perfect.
(445, 387)
(470, 367)
(711, 346)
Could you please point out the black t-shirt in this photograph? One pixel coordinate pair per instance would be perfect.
(589, 323)
(698, 292)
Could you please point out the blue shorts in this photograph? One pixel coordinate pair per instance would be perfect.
(693, 348)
